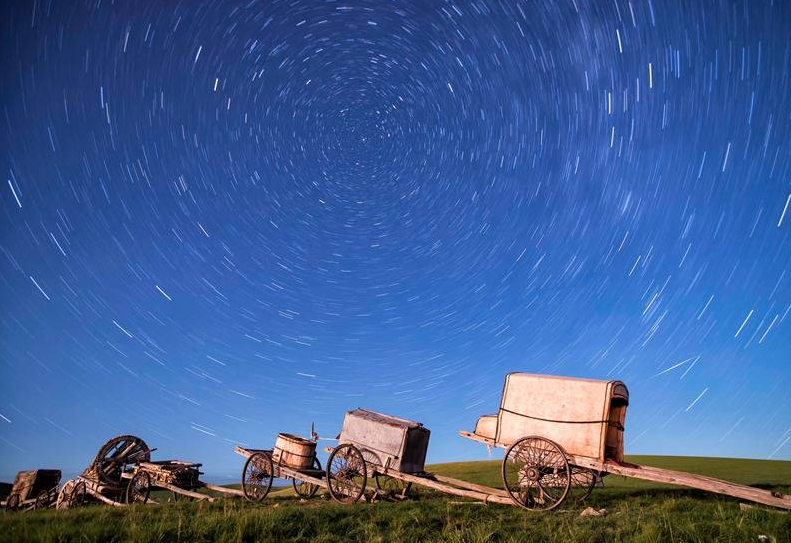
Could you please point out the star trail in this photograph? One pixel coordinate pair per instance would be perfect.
(223, 220)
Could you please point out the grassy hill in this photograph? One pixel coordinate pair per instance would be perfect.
(636, 511)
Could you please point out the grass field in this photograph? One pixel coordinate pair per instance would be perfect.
(636, 511)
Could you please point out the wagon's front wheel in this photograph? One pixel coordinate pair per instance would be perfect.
(77, 494)
(257, 476)
(139, 488)
(536, 474)
(346, 474)
(304, 489)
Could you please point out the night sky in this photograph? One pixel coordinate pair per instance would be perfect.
(222, 220)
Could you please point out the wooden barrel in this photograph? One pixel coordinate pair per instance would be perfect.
(293, 451)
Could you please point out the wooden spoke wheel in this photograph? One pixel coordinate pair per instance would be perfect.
(536, 474)
(117, 455)
(257, 476)
(346, 474)
(583, 481)
(139, 488)
(12, 502)
(304, 489)
(77, 494)
(43, 500)
(391, 485)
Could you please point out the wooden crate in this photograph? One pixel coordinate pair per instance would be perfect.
(399, 443)
(584, 416)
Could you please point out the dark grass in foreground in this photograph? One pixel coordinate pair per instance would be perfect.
(636, 511)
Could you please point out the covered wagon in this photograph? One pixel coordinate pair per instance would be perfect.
(561, 434)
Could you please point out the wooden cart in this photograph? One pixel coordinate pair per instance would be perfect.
(563, 433)
(181, 478)
(293, 458)
(36, 489)
(103, 480)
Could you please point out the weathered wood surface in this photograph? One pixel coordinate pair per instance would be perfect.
(574, 413)
(467, 485)
(396, 442)
(224, 490)
(184, 492)
(691, 480)
(250, 452)
(448, 486)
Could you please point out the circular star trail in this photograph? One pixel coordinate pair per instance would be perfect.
(222, 220)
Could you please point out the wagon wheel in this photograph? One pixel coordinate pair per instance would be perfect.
(12, 502)
(139, 488)
(307, 490)
(77, 494)
(117, 454)
(346, 474)
(583, 481)
(391, 485)
(536, 474)
(257, 476)
(42, 500)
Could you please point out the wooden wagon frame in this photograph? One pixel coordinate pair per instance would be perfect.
(36, 489)
(181, 478)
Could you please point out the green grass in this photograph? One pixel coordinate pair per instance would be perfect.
(636, 511)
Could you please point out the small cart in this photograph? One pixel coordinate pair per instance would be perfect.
(293, 458)
(181, 478)
(36, 489)
(562, 433)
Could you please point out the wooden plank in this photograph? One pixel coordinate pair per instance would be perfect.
(250, 452)
(480, 439)
(224, 490)
(468, 485)
(190, 493)
(690, 480)
(288, 472)
(487, 497)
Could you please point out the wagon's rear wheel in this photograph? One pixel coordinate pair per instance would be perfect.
(346, 474)
(391, 485)
(77, 494)
(139, 488)
(583, 481)
(43, 500)
(12, 502)
(257, 476)
(304, 489)
(536, 474)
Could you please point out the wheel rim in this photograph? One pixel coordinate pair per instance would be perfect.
(77, 495)
(12, 502)
(536, 474)
(391, 485)
(42, 500)
(117, 454)
(139, 488)
(346, 474)
(304, 489)
(583, 481)
(257, 476)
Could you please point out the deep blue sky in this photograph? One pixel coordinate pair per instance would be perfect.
(223, 220)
